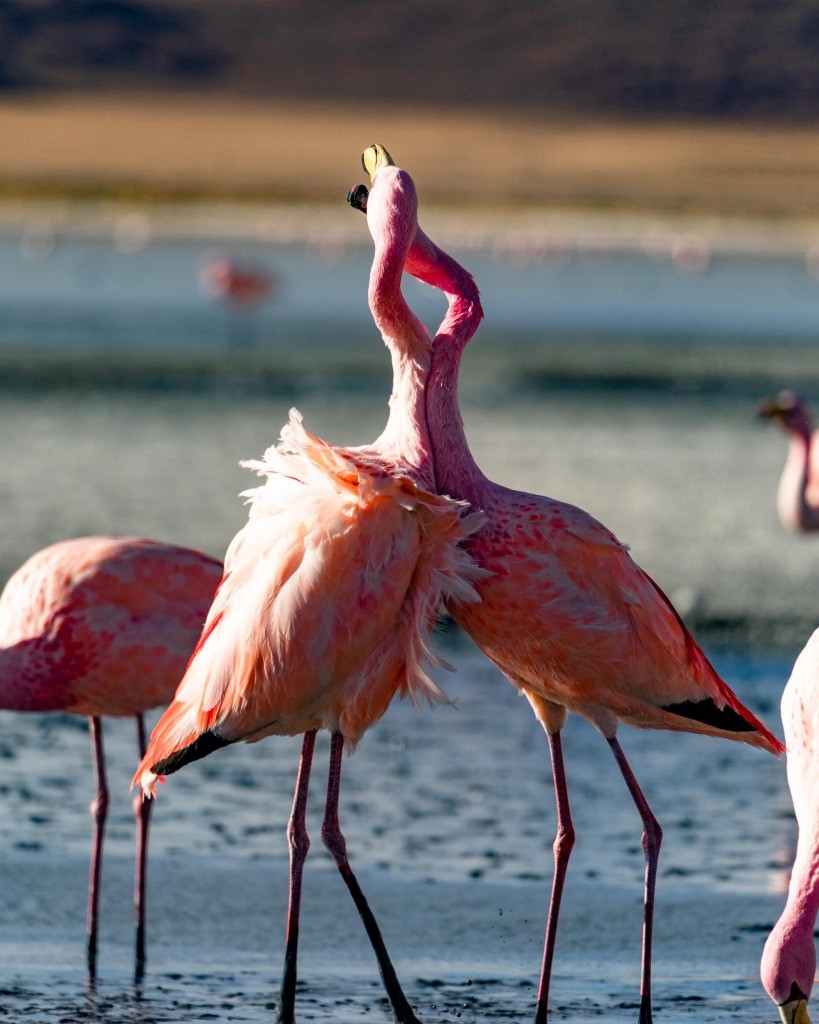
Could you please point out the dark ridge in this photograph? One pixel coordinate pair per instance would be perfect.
(201, 747)
(707, 712)
(753, 60)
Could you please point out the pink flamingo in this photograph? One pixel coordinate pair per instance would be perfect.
(330, 591)
(565, 613)
(103, 626)
(234, 283)
(797, 499)
(789, 957)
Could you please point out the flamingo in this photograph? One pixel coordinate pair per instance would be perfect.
(789, 957)
(330, 592)
(233, 283)
(797, 499)
(565, 613)
(103, 626)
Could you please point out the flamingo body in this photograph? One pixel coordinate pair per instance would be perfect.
(568, 616)
(101, 625)
(325, 611)
(789, 958)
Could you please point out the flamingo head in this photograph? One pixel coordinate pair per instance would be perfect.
(789, 410)
(372, 160)
(391, 204)
(787, 969)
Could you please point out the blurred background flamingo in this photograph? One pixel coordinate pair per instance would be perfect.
(797, 499)
(103, 626)
(789, 958)
(242, 289)
(234, 283)
(330, 592)
(565, 613)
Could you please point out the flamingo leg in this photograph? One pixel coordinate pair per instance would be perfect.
(652, 838)
(142, 812)
(99, 813)
(334, 840)
(564, 841)
(299, 843)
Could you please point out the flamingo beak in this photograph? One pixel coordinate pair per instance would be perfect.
(768, 409)
(794, 1012)
(374, 158)
(357, 198)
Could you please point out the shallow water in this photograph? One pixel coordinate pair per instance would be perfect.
(449, 817)
(66, 288)
(449, 814)
(688, 480)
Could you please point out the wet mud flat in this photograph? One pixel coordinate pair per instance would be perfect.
(465, 951)
(449, 817)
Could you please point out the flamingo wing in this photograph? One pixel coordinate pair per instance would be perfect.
(596, 631)
(329, 595)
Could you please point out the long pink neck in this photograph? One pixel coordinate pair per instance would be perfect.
(792, 499)
(456, 471)
(789, 956)
(405, 439)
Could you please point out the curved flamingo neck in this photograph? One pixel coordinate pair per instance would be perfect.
(790, 957)
(456, 471)
(405, 438)
(796, 510)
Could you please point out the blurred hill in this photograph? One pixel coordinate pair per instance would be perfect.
(673, 58)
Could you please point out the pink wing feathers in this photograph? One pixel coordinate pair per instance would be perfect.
(330, 594)
(103, 625)
(600, 616)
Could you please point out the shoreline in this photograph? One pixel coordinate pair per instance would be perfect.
(528, 231)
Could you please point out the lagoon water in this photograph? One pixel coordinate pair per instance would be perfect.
(449, 814)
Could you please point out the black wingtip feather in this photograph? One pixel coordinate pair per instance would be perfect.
(201, 747)
(707, 712)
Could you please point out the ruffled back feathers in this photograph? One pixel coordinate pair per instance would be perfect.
(330, 596)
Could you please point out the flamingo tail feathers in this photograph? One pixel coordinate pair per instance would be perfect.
(724, 711)
(727, 719)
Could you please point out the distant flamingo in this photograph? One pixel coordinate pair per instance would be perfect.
(565, 613)
(103, 626)
(330, 591)
(234, 283)
(789, 958)
(797, 499)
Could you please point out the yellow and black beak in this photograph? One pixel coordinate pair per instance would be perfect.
(795, 1011)
(374, 158)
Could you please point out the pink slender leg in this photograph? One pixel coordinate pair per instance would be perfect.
(299, 845)
(142, 811)
(336, 844)
(652, 837)
(564, 841)
(99, 813)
